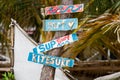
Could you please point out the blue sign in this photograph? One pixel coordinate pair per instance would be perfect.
(60, 24)
(56, 43)
(53, 61)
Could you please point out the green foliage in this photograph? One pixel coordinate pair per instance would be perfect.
(115, 8)
(99, 7)
(8, 76)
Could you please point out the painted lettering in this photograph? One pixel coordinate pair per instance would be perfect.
(48, 46)
(41, 48)
(63, 63)
(64, 9)
(67, 62)
(42, 58)
(60, 24)
(34, 58)
(35, 51)
(62, 39)
(51, 24)
(38, 58)
(58, 61)
(48, 60)
(66, 42)
(63, 43)
(52, 10)
(53, 61)
(52, 43)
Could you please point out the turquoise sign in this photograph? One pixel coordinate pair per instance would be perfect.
(53, 61)
(60, 24)
(56, 43)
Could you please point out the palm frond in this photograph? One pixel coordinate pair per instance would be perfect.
(94, 31)
(115, 8)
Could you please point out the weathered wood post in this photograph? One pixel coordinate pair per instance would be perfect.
(48, 72)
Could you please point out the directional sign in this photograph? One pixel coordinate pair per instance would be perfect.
(56, 43)
(60, 24)
(53, 61)
(64, 9)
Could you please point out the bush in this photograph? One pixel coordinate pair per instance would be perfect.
(8, 76)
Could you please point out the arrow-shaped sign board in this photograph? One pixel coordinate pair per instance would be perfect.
(60, 24)
(56, 43)
(53, 61)
(64, 9)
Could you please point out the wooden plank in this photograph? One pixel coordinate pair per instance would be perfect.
(98, 68)
(5, 69)
(53, 61)
(97, 65)
(99, 62)
(56, 43)
(114, 76)
(60, 24)
(12, 46)
(60, 9)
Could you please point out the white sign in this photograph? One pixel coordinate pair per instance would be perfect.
(55, 43)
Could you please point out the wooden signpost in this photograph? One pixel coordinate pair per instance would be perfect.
(60, 24)
(56, 43)
(37, 55)
(56, 62)
(64, 9)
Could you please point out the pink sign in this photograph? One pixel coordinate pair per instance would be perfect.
(64, 9)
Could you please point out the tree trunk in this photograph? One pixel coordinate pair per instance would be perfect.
(47, 71)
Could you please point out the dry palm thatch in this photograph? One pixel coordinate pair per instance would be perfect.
(97, 34)
(97, 38)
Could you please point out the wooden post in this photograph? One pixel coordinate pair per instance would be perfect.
(12, 47)
(47, 71)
